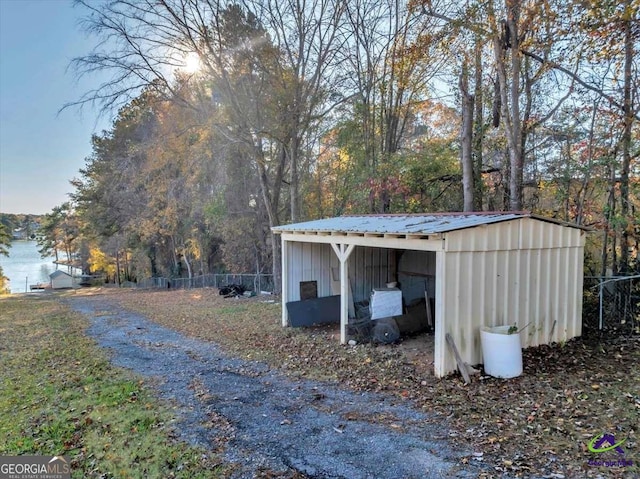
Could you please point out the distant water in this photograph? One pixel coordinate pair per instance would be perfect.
(24, 266)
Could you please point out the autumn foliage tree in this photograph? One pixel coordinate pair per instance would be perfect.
(299, 110)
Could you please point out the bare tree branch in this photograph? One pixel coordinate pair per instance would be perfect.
(578, 80)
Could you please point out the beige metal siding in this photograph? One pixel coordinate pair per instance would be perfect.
(540, 234)
(540, 285)
(523, 233)
(498, 236)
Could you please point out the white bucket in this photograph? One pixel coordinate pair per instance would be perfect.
(502, 352)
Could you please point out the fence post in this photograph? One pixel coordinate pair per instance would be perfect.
(600, 297)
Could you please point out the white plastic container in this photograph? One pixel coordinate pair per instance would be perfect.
(502, 352)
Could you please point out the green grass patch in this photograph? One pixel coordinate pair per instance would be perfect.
(59, 395)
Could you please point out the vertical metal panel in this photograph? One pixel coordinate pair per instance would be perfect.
(577, 267)
(531, 234)
(498, 236)
(308, 262)
(558, 289)
(417, 274)
(442, 361)
(538, 287)
(541, 234)
(523, 233)
(421, 262)
(368, 269)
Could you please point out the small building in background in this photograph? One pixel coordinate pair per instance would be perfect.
(19, 234)
(61, 280)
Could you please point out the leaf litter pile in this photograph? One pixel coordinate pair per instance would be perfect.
(536, 425)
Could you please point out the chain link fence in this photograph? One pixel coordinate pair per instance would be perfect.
(251, 282)
(612, 304)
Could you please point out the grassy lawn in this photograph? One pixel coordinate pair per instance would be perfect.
(540, 423)
(59, 395)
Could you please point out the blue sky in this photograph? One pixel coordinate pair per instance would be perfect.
(41, 149)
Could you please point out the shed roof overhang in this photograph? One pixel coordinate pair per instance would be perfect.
(423, 231)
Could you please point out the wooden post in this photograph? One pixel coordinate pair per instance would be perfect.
(462, 366)
(343, 252)
(428, 303)
(439, 354)
(344, 296)
(285, 280)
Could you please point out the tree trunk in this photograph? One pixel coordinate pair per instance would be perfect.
(517, 152)
(466, 138)
(526, 126)
(118, 266)
(510, 99)
(272, 214)
(478, 134)
(626, 141)
(277, 263)
(152, 261)
(186, 262)
(294, 149)
(610, 213)
(582, 197)
(127, 272)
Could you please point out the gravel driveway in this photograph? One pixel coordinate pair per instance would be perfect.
(264, 421)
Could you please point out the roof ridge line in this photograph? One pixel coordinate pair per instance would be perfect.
(442, 213)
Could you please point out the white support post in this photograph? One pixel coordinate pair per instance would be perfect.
(439, 353)
(285, 281)
(343, 252)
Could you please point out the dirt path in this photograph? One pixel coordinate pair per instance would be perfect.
(266, 422)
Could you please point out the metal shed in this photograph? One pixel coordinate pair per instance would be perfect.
(482, 269)
(61, 280)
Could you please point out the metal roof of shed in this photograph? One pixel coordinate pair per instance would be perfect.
(58, 272)
(414, 224)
